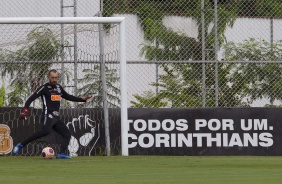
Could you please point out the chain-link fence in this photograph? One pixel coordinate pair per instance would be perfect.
(182, 53)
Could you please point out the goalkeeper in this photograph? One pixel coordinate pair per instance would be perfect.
(51, 94)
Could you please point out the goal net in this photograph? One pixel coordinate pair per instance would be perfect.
(89, 54)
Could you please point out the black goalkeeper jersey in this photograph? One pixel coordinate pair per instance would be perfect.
(51, 96)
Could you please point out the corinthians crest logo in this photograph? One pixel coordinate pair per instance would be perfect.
(6, 141)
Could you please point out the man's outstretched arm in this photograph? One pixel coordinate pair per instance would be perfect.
(69, 97)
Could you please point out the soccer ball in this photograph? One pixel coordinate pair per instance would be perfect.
(48, 153)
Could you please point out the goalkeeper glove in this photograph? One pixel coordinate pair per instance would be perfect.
(86, 98)
(24, 114)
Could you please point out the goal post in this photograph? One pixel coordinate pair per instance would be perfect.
(121, 56)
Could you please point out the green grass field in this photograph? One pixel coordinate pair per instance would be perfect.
(141, 169)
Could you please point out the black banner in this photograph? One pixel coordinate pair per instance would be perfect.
(202, 131)
(205, 131)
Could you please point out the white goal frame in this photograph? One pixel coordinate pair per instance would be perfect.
(122, 55)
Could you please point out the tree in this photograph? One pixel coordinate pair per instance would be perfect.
(257, 77)
(44, 47)
(92, 83)
(175, 46)
(149, 100)
(164, 44)
(181, 84)
(28, 65)
(16, 96)
(265, 8)
(2, 94)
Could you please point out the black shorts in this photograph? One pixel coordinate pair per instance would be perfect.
(49, 121)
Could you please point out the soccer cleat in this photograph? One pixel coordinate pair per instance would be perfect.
(63, 155)
(17, 148)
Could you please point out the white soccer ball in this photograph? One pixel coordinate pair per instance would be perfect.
(48, 153)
